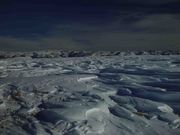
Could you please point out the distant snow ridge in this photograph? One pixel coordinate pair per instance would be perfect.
(65, 54)
(117, 94)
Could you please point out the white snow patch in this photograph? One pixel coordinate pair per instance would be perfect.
(165, 108)
(83, 79)
(33, 111)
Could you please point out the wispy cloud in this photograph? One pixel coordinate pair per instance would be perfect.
(160, 31)
(91, 25)
(160, 23)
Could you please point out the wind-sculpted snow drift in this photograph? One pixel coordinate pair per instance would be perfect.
(95, 95)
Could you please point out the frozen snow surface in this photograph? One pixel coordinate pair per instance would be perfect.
(94, 95)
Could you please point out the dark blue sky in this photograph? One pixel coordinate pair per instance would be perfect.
(27, 25)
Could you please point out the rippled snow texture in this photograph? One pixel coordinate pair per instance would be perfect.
(118, 95)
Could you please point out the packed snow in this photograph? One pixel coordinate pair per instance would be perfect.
(93, 95)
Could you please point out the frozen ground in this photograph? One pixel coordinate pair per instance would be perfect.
(117, 95)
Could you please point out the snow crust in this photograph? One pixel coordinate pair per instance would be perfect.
(95, 95)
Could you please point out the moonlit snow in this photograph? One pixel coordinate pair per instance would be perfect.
(94, 95)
